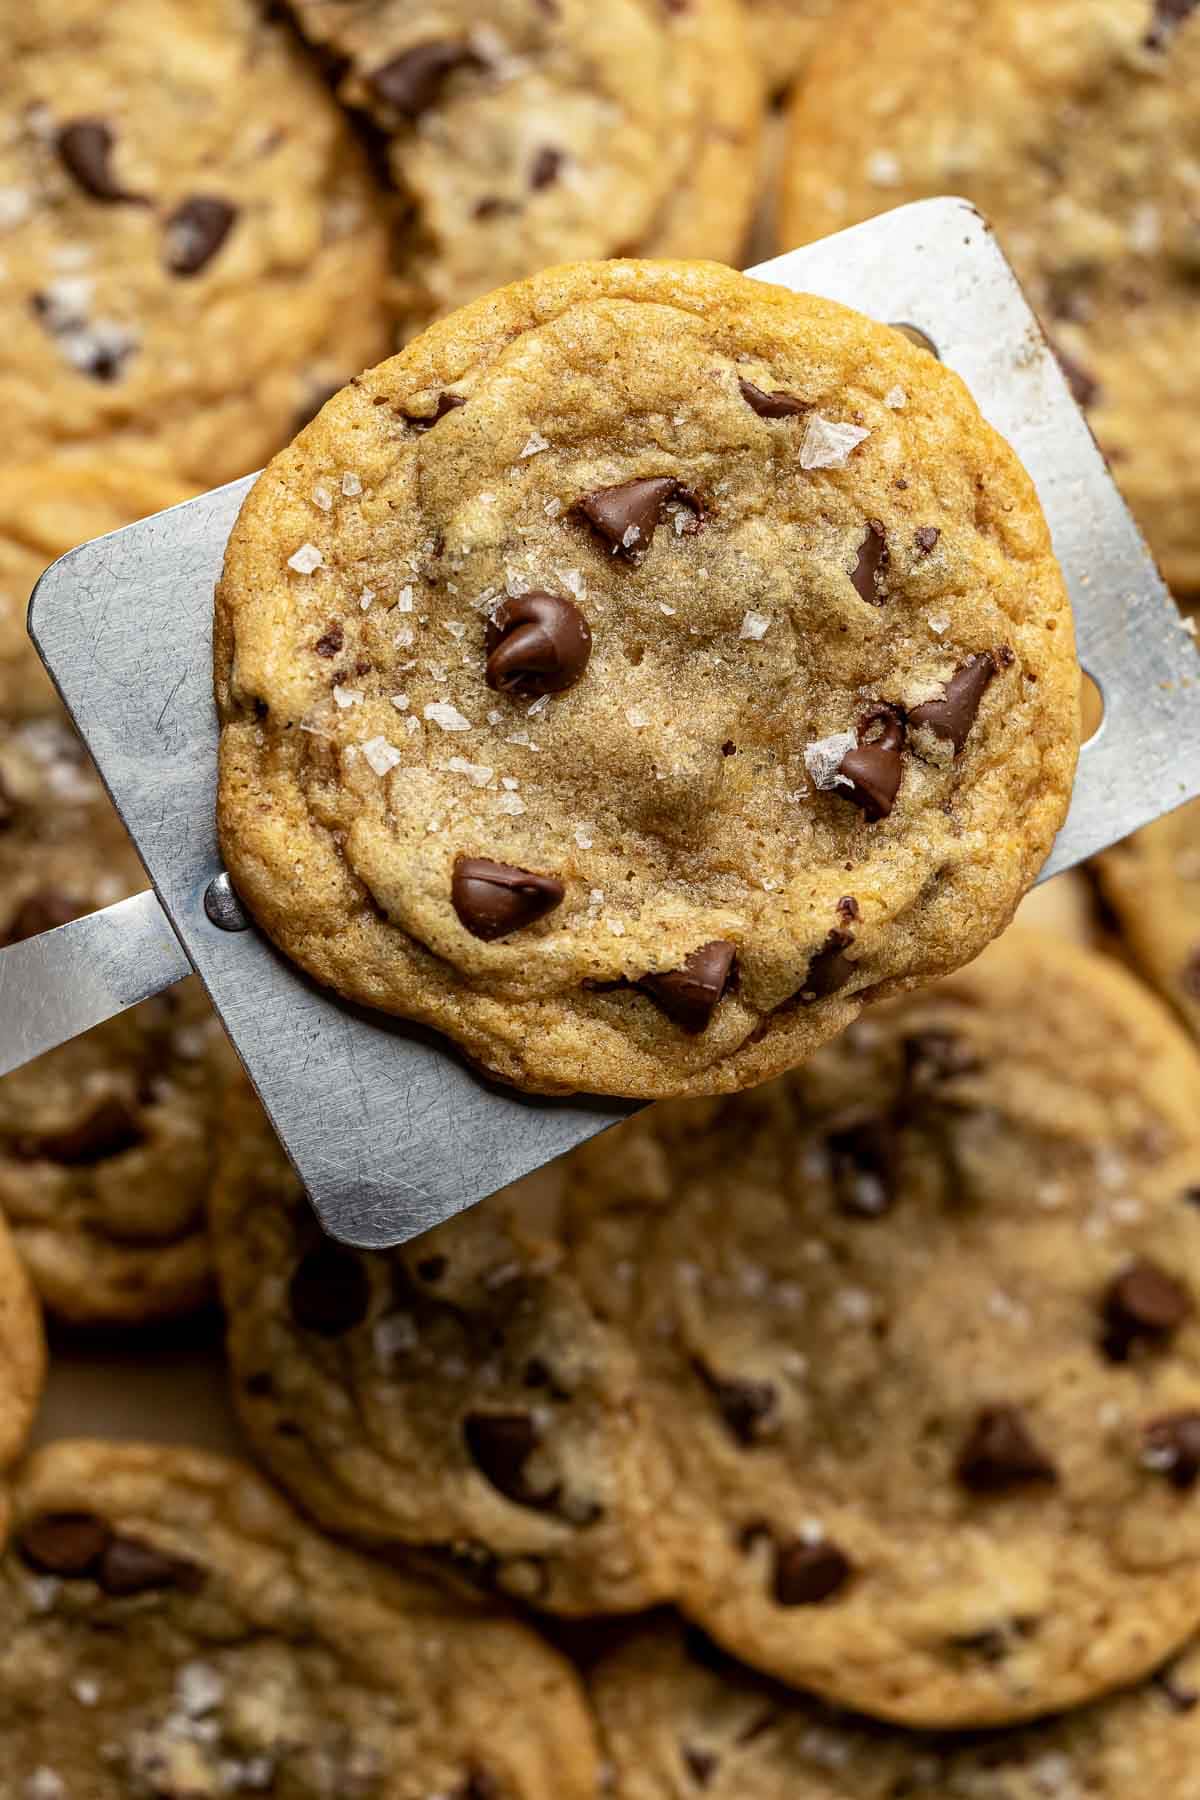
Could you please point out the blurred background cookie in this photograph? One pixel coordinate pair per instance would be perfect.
(1152, 884)
(521, 135)
(1073, 125)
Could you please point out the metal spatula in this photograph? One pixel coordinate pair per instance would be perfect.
(389, 1130)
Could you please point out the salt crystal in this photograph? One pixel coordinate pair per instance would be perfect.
(511, 803)
(770, 883)
(448, 717)
(637, 718)
(44, 1784)
(883, 169)
(455, 627)
(305, 559)
(895, 398)
(631, 535)
(15, 206)
(668, 610)
(519, 737)
(535, 442)
(400, 702)
(365, 598)
(552, 508)
(754, 625)
(345, 697)
(412, 724)
(616, 927)
(583, 837)
(86, 1690)
(828, 443)
(351, 485)
(404, 600)
(510, 782)
(199, 1688)
(476, 773)
(322, 497)
(404, 638)
(494, 717)
(539, 706)
(822, 759)
(1145, 229)
(432, 825)
(938, 623)
(381, 755)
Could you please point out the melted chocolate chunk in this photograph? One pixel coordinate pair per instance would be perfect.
(776, 405)
(1171, 1445)
(626, 516)
(1000, 1454)
(689, 995)
(500, 1445)
(107, 1129)
(446, 403)
(547, 165)
(537, 643)
(830, 969)
(412, 81)
(701, 1765)
(871, 567)
(1167, 17)
(85, 148)
(493, 899)
(331, 644)
(195, 232)
(953, 714)
(862, 1163)
(926, 537)
(129, 1566)
(330, 1291)
(43, 910)
(875, 767)
(1143, 1307)
(65, 1543)
(745, 1406)
(808, 1574)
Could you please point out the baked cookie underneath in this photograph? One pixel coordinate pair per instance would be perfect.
(1152, 883)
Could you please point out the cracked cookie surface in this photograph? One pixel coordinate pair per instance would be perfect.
(677, 1718)
(919, 1327)
(1073, 126)
(171, 1628)
(637, 673)
(192, 254)
(522, 135)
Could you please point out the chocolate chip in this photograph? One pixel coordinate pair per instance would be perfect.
(871, 565)
(331, 644)
(85, 148)
(493, 899)
(626, 516)
(546, 166)
(848, 909)
(701, 1765)
(537, 643)
(745, 1406)
(806, 1574)
(933, 1057)
(776, 405)
(830, 969)
(129, 1566)
(999, 1453)
(1171, 1445)
(1085, 389)
(926, 537)
(412, 81)
(1165, 21)
(446, 403)
(874, 768)
(329, 1292)
(689, 995)
(953, 714)
(196, 230)
(862, 1163)
(107, 1129)
(43, 910)
(64, 1543)
(432, 1268)
(1143, 1306)
(500, 1444)
(729, 748)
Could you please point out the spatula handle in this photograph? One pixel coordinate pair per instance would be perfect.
(56, 985)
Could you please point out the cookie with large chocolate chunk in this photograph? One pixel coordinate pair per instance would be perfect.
(168, 1626)
(457, 1393)
(194, 251)
(919, 1327)
(636, 675)
(1073, 126)
(520, 135)
(1152, 884)
(677, 1719)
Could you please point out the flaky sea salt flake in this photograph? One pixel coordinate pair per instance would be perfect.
(538, 706)
(667, 611)
(448, 717)
(755, 626)
(552, 508)
(381, 755)
(829, 443)
(344, 697)
(534, 443)
(478, 774)
(351, 485)
(636, 717)
(400, 702)
(455, 627)
(365, 599)
(322, 497)
(583, 837)
(896, 398)
(404, 600)
(511, 803)
(510, 782)
(305, 559)
(938, 623)
(822, 759)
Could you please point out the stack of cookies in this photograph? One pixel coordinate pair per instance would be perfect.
(658, 685)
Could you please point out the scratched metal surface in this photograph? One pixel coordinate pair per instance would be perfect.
(389, 1130)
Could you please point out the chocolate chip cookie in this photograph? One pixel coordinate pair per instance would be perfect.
(637, 674)
(679, 1719)
(191, 244)
(1152, 883)
(1073, 125)
(169, 1627)
(522, 135)
(456, 1393)
(920, 1329)
(22, 1357)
